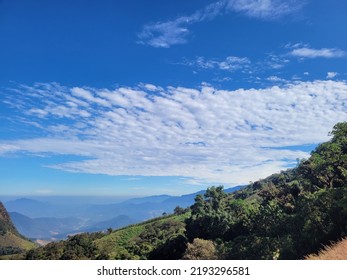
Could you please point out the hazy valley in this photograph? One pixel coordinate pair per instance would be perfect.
(55, 218)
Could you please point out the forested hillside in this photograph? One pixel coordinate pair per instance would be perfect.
(285, 216)
(160, 238)
(11, 242)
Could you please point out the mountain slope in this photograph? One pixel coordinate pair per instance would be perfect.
(11, 242)
(6, 224)
(114, 223)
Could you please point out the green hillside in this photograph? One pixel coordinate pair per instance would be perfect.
(147, 240)
(11, 242)
(285, 216)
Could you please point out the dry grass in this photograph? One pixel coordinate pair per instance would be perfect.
(336, 251)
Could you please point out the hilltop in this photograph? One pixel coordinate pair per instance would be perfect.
(11, 242)
(284, 216)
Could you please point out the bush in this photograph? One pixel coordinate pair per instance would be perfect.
(200, 249)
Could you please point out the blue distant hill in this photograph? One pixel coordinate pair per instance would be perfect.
(48, 220)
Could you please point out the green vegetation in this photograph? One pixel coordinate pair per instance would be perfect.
(11, 242)
(200, 249)
(285, 216)
(154, 239)
(77, 247)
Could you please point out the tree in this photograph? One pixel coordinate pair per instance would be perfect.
(327, 167)
(200, 249)
(158, 240)
(179, 210)
(80, 247)
(210, 218)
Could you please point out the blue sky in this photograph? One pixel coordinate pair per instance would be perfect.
(151, 97)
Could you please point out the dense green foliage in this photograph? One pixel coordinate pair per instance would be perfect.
(10, 250)
(200, 249)
(159, 240)
(77, 247)
(11, 242)
(285, 216)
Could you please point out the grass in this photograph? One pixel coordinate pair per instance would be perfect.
(336, 251)
(12, 240)
(13, 257)
(114, 243)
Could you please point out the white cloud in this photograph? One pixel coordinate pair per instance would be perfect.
(151, 87)
(275, 61)
(230, 63)
(305, 52)
(265, 9)
(331, 75)
(275, 79)
(235, 63)
(39, 112)
(80, 92)
(205, 134)
(164, 34)
(8, 148)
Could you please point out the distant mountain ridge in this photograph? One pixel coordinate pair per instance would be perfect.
(34, 208)
(50, 228)
(42, 220)
(44, 228)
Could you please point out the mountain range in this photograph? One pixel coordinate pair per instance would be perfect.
(41, 220)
